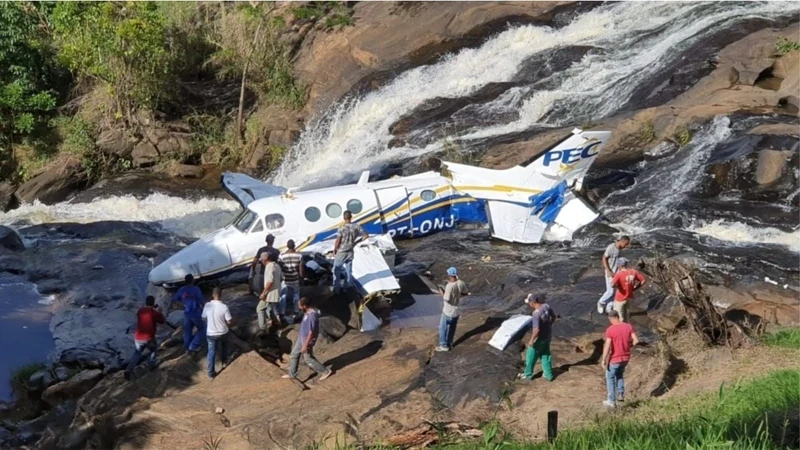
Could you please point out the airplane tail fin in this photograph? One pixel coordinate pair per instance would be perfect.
(568, 160)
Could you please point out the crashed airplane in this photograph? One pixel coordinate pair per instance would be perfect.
(524, 204)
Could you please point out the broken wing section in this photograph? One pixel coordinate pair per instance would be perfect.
(245, 189)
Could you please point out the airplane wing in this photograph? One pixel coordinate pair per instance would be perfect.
(245, 189)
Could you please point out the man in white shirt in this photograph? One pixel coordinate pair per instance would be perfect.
(218, 319)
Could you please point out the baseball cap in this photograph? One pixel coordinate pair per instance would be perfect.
(531, 298)
(622, 262)
(452, 272)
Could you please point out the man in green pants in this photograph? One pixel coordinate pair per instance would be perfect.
(539, 343)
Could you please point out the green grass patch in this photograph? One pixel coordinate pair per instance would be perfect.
(759, 414)
(784, 46)
(21, 375)
(682, 136)
(786, 338)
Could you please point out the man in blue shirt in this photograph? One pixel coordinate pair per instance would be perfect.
(192, 298)
(309, 330)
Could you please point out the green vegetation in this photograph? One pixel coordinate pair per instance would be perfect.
(212, 443)
(71, 71)
(20, 377)
(784, 46)
(647, 133)
(752, 415)
(682, 136)
(786, 338)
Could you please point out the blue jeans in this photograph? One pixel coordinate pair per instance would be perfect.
(608, 295)
(447, 330)
(214, 342)
(140, 346)
(192, 340)
(308, 357)
(288, 291)
(615, 383)
(342, 268)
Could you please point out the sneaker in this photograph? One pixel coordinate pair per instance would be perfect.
(609, 308)
(600, 308)
(620, 400)
(442, 348)
(326, 375)
(609, 404)
(521, 376)
(287, 377)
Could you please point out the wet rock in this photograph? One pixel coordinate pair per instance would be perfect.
(144, 155)
(770, 165)
(25, 437)
(283, 138)
(53, 185)
(5, 435)
(50, 286)
(40, 380)
(116, 142)
(62, 373)
(72, 388)
(76, 438)
(10, 239)
(185, 171)
(6, 196)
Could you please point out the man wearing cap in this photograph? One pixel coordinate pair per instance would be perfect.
(256, 277)
(451, 294)
(610, 267)
(539, 343)
(616, 354)
(626, 281)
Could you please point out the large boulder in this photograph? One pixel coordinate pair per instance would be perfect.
(116, 142)
(72, 388)
(144, 154)
(6, 196)
(52, 185)
(185, 171)
(40, 380)
(10, 239)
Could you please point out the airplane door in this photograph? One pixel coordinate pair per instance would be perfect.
(395, 211)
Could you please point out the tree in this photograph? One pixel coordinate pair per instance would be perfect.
(28, 76)
(122, 44)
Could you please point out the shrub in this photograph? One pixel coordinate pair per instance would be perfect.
(682, 136)
(786, 338)
(784, 46)
(20, 377)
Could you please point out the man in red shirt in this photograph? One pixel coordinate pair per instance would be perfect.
(145, 337)
(626, 281)
(616, 354)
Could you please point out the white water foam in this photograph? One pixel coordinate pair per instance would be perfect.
(190, 218)
(636, 39)
(742, 234)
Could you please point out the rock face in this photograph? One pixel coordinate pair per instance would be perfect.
(185, 171)
(72, 388)
(6, 195)
(144, 154)
(10, 239)
(53, 185)
(116, 142)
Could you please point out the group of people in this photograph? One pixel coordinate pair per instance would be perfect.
(275, 277)
(621, 283)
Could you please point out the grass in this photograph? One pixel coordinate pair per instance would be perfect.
(784, 46)
(212, 443)
(647, 133)
(750, 415)
(682, 136)
(20, 377)
(786, 338)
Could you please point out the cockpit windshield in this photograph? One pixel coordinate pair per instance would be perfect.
(244, 220)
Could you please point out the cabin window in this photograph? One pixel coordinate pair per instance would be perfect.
(333, 210)
(427, 195)
(245, 220)
(274, 221)
(312, 214)
(258, 227)
(354, 206)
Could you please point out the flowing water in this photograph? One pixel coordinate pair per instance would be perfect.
(623, 46)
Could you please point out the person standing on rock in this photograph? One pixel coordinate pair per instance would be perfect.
(609, 261)
(271, 294)
(451, 296)
(539, 343)
(293, 272)
(193, 327)
(147, 319)
(626, 281)
(218, 320)
(309, 330)
(343, 252)
(256, 278)
(616, 354)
